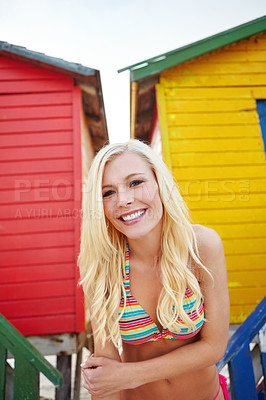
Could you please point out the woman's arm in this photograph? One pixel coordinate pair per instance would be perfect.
(110, 354)
(207, 351)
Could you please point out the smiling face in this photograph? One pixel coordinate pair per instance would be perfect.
(131, 196)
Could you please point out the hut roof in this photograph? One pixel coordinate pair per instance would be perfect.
(145, 74)
(87, 78)
(159, 63)
(41, 59)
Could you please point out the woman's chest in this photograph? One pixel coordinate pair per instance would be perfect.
(146, 287)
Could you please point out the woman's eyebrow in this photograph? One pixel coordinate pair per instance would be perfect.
(126, 178)
(133, 174)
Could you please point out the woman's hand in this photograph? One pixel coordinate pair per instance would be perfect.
(104, 376)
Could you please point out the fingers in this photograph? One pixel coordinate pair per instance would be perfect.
(86, 361)
(92, 362)
(91, 386)
(95, 380)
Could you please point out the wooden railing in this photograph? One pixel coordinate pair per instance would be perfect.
(29, 362)
(246, 349)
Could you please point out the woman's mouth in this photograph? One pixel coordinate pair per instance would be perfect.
(133, 216)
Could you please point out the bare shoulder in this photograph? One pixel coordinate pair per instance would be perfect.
(209, 242)
(206, 236)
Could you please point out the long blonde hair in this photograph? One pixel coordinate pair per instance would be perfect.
(102, 251)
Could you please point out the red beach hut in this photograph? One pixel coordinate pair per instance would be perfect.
(52, 122)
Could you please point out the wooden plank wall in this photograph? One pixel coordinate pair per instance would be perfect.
(40, 194)
(213, 144)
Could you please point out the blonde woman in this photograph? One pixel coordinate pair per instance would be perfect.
(156, 284)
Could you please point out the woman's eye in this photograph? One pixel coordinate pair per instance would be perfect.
(108, 193)
(136, 182)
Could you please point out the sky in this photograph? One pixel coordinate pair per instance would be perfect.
(111, 34)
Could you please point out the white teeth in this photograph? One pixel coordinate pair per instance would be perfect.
(133, 216)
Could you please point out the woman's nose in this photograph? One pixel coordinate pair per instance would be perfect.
(124, 197)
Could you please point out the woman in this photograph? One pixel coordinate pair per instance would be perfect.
(153, 280)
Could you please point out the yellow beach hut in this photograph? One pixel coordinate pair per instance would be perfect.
(203, 108)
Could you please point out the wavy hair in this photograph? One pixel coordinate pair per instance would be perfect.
(102, 251)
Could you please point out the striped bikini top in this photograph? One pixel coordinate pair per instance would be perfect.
(137, 327)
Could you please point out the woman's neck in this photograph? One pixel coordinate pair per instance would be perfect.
(146, 249)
